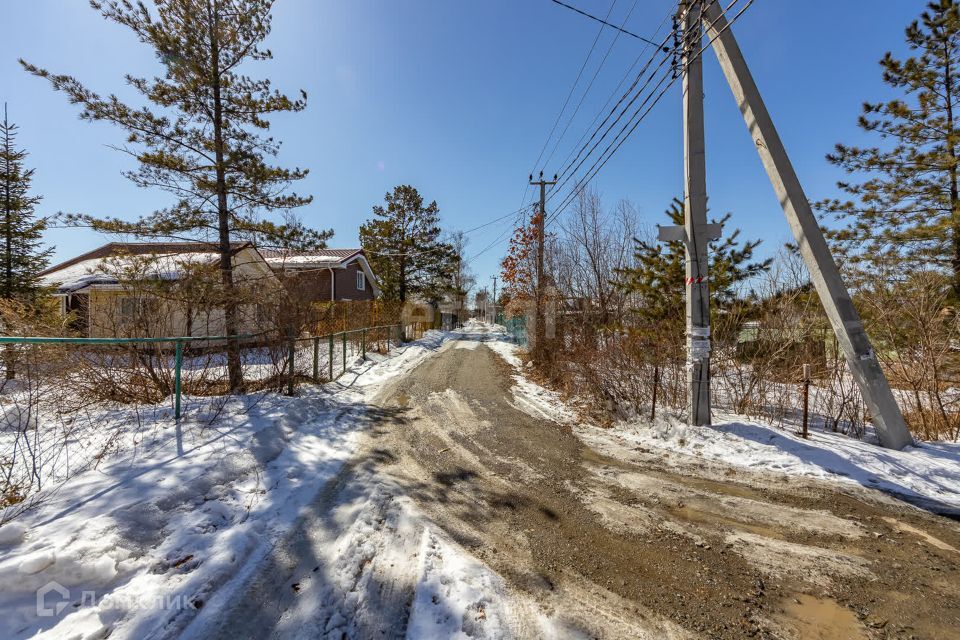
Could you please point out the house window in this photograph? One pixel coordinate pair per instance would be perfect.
(138, 310)
(361, 281)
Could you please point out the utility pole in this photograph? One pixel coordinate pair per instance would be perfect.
(844, 319)
(494, 278)
(695, 222)
(539, 333)
(695, 232)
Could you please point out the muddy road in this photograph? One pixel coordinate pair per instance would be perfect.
(591, 537)
(614, 543)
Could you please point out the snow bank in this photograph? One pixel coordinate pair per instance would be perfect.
(136, 547)
(457, 597)
(927, 474)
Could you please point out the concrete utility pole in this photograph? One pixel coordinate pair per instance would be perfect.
(695, 232)
(695, 221)
(494, 278)
(539, 333)
(861, 358)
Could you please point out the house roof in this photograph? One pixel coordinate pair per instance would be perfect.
(281, 258)
(162, 260)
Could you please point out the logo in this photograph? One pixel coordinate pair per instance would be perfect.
(417, 312)
(59, 601)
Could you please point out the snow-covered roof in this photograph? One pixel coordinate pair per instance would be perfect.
(108, 270)
(281, 258)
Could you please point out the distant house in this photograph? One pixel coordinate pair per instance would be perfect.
(102, 288)
(326, 275)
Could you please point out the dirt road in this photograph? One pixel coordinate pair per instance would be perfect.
(594, 538)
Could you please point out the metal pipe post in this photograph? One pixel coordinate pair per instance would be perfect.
(293, 363)
(177, 366)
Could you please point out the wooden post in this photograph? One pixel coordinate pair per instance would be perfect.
(806, 398)
(316, 359)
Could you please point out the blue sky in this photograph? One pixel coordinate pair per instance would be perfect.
(457, 99)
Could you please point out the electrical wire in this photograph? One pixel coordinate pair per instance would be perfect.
(615, 92)
(596, 73)
(601, 161)
(570, 93)
(620, 29)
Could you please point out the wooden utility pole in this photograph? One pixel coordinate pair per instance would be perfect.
(861, 358)
(494, 278)
(539, 333)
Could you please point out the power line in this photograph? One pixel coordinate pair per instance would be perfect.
(616, 90)
(496, 220)
(627, 93)
(596, 73)
(570, 93)
(602, 160)
(601, 21)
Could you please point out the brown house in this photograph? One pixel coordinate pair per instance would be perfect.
(326, 275)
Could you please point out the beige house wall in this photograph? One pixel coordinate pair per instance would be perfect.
(162, 318)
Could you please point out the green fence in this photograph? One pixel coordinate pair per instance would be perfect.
(163, 366)
(516, 327)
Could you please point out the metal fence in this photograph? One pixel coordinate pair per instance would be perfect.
(66, 403)
(197, 364)
(516, 327)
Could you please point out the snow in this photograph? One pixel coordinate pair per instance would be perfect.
(927, 474)
(162, 265)
(12, 533)
(174, 529)
(456, 597)
(304, 260)
(142, 543)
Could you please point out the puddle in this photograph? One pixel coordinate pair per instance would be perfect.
(713, 486)
(820, 619)
(698, 516)
(588, 454)
(903, 527)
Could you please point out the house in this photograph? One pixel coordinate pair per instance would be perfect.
(116, 290)
(325, 275)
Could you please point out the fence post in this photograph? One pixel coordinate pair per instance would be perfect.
(344, 351)
(363, 343)
(177, 365)
(330, 362)
(316, 359)
(656, 384)
(293, 365)
(806, 398)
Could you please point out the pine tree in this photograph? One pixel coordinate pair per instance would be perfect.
(904, 207)
(203, 138)
(403, 245)
(23, 256)
(657, 280)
